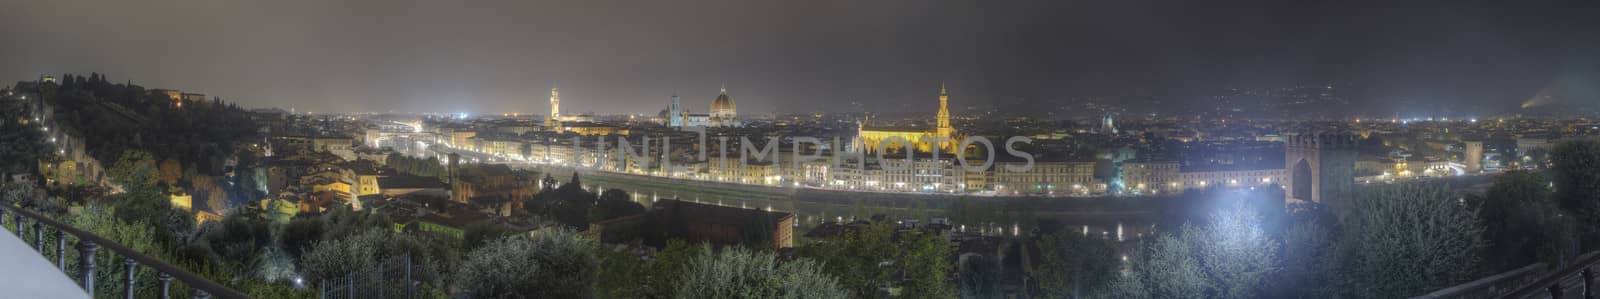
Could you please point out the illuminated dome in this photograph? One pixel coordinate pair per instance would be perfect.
(723, 105)
(723, 111)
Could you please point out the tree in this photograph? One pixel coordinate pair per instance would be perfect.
(924, 259)
(170, 171)
(1408, 239)
(548, 183)
(979, 277)
(666, 272)
(547, 263)
(615, 203)
(1168, 269)
(1310, 256)
(1230, 256)
(620, 274)
(217, 199)
(743, 273)
(1522, 222)
(238, 240)
(137, 236)
(1074, 265)
(337, 255)
(299, 234)
(205, 187)
(854, 258)
(1237, 252)
(134, 169)
(569, 204)
(1575, 173)
(21, 144)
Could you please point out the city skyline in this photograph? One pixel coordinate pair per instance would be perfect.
(503, 57)
(799, 149)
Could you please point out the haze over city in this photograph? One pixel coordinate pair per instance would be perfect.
(801, 56)
(799, 149)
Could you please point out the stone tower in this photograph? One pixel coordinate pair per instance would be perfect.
(1474, 156)
(555, 108)
(1321, 168)
(453, 161)
(943, 129)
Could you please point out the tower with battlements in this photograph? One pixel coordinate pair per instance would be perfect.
(555, 109)
(1321, 168)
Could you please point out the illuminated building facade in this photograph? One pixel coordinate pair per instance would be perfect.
(590, 129)
(1161, 177)
(874, 137)
(696, 120)
(1066, 177)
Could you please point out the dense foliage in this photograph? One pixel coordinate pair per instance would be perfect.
(1075, 265)
(1230, 256)
(743, 273)
(857, 258)
(22, 141)
(1524, 223)
(1575, 173)
(548, 263)
(1405, 236)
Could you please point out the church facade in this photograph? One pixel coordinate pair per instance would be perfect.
(724, 113)
(872, 137)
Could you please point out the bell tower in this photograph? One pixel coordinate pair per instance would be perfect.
(555, 108)
(944, 129)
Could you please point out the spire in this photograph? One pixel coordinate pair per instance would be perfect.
(724, 88)
(941, 88)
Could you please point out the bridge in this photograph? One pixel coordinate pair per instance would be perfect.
(28, 225)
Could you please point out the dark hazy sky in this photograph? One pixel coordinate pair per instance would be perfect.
(630, 56)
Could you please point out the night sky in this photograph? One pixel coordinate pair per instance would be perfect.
(797, 56)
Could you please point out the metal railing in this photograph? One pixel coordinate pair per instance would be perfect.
(1576, 281)
(88, 244)
(379, 282)
(1493, 286)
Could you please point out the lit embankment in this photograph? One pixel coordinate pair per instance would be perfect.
(31, 229)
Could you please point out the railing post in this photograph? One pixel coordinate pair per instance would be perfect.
(351, 288)
(86, 250)
(22, 229)
(166, 284)
(1588, 283)
(410, 293)
(200, 294)
(381, 284)
(127, 284)
(61, 249)
(322, 289)
(38, 236)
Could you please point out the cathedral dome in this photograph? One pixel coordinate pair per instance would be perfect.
(723, 105)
